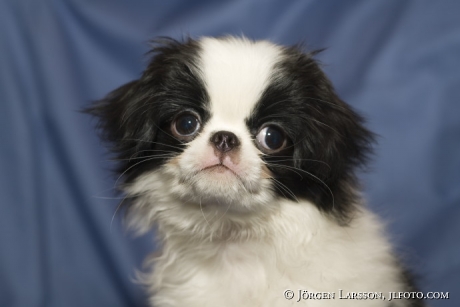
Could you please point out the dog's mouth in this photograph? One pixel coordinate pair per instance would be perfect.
(222, 172)
(219, 168)
(220, 186)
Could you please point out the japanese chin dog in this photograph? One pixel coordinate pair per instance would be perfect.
(242, 157)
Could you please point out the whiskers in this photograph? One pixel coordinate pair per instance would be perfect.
(157, 155)
(299, 172)
(145, 155)
(211, 222)
(122, 200)
(284, 189)
(120, 204)
(155, 143)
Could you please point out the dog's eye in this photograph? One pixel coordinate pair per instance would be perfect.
(271, 139)
(185, 125)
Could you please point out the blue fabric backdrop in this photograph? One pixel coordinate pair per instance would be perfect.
(398, 62)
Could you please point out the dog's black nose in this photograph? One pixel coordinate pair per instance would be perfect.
(224, 141)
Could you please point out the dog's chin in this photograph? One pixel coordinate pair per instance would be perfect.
(219, 188)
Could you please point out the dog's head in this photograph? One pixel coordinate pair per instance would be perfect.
(233, 125)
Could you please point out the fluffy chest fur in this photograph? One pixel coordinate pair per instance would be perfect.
(303, 250)
(242, 156)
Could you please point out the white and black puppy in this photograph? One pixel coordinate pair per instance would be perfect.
(242, 156)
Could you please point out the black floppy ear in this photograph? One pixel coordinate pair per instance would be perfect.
(345, 140)
(125, 119)
(336, 136)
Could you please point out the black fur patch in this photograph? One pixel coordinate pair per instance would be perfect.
(327, 138)
(136, 117)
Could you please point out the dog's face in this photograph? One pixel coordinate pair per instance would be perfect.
(230, 124)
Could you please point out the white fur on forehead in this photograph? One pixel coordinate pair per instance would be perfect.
(236, 71)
